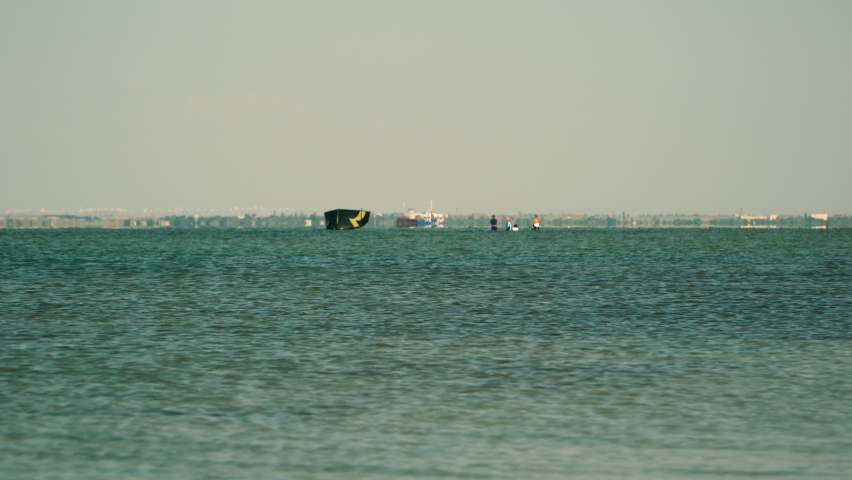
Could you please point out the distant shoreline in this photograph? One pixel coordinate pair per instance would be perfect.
(465, 221)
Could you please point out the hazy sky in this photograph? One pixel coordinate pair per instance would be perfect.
(486, 106)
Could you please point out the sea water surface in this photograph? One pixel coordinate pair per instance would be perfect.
(414, 354)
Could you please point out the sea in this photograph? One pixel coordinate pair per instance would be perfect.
(425, 354)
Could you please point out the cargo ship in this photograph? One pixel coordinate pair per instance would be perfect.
(428, 219)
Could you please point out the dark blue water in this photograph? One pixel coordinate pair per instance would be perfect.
(307, 354)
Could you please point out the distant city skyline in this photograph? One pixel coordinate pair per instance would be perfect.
(265, 211)
(412, 219)
(589, 107)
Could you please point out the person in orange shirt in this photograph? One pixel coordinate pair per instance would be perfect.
(536, 222)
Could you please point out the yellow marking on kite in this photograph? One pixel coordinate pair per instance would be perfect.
(355, 220)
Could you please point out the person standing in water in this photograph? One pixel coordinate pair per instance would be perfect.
(493, 223)
(536, 222)
(508, 224)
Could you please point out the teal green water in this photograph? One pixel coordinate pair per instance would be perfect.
(307, 354)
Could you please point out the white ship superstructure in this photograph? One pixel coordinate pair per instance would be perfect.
(427, 219)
